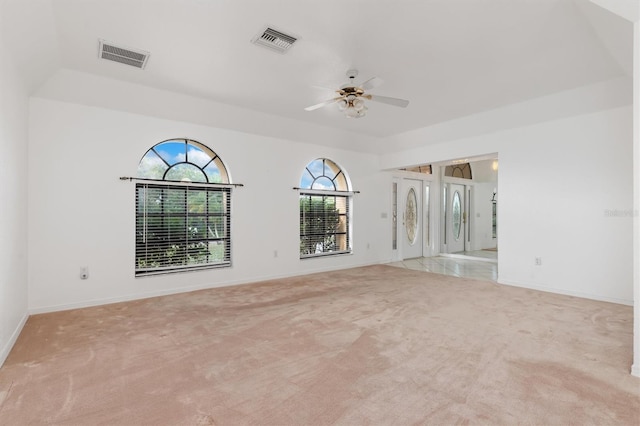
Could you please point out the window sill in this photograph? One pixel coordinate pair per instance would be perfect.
(155, 272)
(321, 255)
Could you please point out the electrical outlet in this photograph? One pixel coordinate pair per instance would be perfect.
(538, 261)
(84, 273)
(275, 253)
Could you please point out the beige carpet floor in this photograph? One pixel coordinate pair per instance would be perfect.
(375, 345)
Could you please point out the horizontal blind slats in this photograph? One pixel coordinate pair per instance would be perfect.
(180, 227)
(324, 223)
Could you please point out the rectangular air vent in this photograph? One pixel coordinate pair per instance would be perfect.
(274, 40)
(111, 52)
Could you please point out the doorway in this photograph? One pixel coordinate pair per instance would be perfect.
(456, 216)
(412, 224)
(468, 208)
(463, 214)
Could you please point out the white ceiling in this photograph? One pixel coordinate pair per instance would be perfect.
(450, 58)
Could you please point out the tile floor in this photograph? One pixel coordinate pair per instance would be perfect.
(456, 266)
(484, 254)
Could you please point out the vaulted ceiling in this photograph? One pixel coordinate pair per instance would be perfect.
(450, 58)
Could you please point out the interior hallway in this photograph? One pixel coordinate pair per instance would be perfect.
(454, 266)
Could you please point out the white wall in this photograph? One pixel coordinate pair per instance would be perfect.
(635, 369)
(13, 204)
(82, 215)
(565, 196)
(582, 100)
(485, 180)
(89, 89)
(482, 210)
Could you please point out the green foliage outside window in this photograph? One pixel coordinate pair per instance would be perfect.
(181, 222)
(180, 226)
(324, 218)
(322, 224)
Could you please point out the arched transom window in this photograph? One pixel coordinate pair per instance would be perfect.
(462, 170)
(325, 206)
(182, 160)
(324, 174)
(183, 209)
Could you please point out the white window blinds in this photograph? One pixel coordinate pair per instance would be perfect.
(181, 227)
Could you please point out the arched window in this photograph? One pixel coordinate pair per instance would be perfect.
(462, 170)
(325, 205)
(183, 209)
(182, 160)
(425, 168)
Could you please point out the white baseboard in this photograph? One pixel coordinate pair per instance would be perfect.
(12, 340)
(166, 292)
(466, 257)
(628, 302)
(635, 370)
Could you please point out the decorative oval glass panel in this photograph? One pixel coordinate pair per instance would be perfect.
(411, 216)
(456, 215)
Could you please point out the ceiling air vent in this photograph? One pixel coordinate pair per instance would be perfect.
(274, 40)
(111, 52)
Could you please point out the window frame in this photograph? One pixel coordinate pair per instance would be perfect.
(344, 217)
(177, 239)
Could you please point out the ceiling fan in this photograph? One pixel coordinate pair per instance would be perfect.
(351, 97)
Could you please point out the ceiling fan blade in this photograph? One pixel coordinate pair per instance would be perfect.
(387, 100)
(321, 104)
(371, 83)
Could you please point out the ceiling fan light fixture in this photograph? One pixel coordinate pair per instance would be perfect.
(351, 99)
(351, 112)
(353, 106)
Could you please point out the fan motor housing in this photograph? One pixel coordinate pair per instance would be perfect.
(356, 91)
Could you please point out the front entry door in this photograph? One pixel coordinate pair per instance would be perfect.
(456, 218)
(411, 233)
